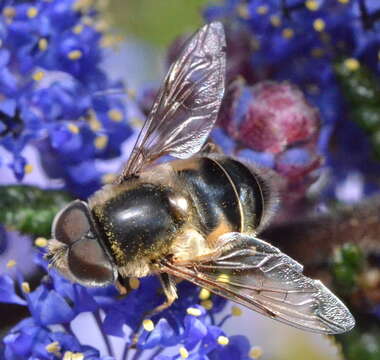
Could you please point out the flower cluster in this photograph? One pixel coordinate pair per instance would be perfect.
(305, 42)
(187, 326)
(53, 90)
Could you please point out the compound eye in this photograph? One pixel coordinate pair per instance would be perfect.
(72, 223)
(89, 263)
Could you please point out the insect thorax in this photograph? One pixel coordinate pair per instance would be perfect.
(138, 222)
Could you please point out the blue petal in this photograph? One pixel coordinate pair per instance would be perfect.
(7, 291)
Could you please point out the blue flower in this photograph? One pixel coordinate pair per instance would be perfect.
(58, 302)
(54, 91)
(300, 41)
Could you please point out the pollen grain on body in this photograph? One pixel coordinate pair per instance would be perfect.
(224, 278)
(148, 325)
(194, 311)
(108, 178)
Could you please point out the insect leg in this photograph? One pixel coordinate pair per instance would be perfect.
(211, 148)
(168, 285)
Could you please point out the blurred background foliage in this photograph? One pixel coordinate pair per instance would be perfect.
(157, 22)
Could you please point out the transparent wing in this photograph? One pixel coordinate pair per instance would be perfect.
(187, 105)
(259, 276)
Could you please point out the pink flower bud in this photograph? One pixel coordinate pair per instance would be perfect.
(275, 116)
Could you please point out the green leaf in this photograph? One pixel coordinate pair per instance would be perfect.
(29, 209)
(348, 262)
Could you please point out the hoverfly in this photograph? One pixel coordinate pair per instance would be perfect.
(195, 218)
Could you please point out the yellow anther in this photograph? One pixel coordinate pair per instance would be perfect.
(53, 347)
(224, 278)
(256, 352)
(28, 168)
(275, 20)
(41, 242)
(312, 5)
(317, 52)
(183, 352)
(95, 124)
(73, 128)
(194, 311)
(25, 287)
(74, 54)
(319, 25)
(378, 55)
(223, 340)
(148, 325)
(69, 355)
(262, 10)
(204, 294)
(352, 64)
(236, 311)
(207, 304)
(344, 1)
(42, 44)
(115, 115)
(134, 283)
(243, 11)
(101, 142)
(9, 12)
(38, 75)
(77, 29)
(77, 356)
(32, 12)
(11, 263)
(288, 33)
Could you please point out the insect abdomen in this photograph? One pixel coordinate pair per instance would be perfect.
(249, 191)
(225, 193)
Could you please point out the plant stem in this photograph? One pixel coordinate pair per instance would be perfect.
(105, 337)
(137, 354)
(157, 352)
